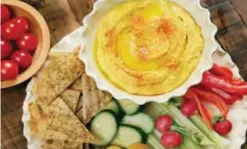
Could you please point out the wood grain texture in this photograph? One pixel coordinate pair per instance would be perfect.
(241, 9)
(61, 21)
(232, 33)
(59, 17)
(63, 16)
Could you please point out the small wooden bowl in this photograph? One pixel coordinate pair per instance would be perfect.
(40, 29)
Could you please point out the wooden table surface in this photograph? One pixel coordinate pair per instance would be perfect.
(64, 16)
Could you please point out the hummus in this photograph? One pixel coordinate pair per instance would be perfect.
(148, 47)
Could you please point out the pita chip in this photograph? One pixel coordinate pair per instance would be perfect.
(93, 99)
(58, 75)
(62, 124)
(35, 110)
(80, 104)
(71, 97)
(79, 114)
(38, 118)
(60, 144)
(76, 85)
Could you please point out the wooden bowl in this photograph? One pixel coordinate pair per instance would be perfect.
(40, 29)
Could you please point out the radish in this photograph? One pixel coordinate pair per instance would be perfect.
(223, 127)
(163, 123)
(171, 139)
(189, 107)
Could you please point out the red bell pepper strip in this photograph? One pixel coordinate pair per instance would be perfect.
(238, 82)
(212, 98)
(211, 81)
(226, 73)
(228, 98)
(206, 115)
(221, 71)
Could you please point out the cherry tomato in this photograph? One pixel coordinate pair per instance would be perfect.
(6, 48)
(189, 107)
(138, 146)
(9, 70)
(5, 13)
(22, 58)
(27, 41)
(22, 21)
(223, 127)
(11, 30)
(163, 123)
(171, 139)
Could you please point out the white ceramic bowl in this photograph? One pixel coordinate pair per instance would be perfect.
(102, 7)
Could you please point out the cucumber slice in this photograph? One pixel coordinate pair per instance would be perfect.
(104, 127)
(140, 120)
(128, 135)
(129, 107)
(114, 106)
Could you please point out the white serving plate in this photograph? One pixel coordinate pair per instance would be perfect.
(102, 7)
(237, 114)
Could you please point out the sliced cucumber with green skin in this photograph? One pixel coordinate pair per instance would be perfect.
(128, 135)
(104, 127)
(114, 106)
(140, 120)
(129, 107)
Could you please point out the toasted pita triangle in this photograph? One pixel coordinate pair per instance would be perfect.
(80, 104)
(76, 85)
(93, 99)
(62, 124)
(38, 118)
(60, 144)
(71, 97)
(59, 74)
(79, 114)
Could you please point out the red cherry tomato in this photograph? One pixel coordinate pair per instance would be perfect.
(6, 48)
(27, 41)
(5, 13)
(22, 21)
(223, 127)
(189, 107)
(171, 139)
(22, 58)
(163, 123)
(11, 30)
(9, 70)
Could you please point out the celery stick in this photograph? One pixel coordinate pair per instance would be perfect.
(196, 119)
(155, 109)
(154, 142)
(184, 121)
(189, 144)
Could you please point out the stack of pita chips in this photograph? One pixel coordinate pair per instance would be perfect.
(66, 99)
(93, 99)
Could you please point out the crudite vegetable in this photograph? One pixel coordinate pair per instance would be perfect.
(183, 122)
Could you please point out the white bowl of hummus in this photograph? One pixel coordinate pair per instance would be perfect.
(147, 50)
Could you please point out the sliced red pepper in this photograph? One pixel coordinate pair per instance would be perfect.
(212, 98)
(211, 81)
(222, 71)
(238, 82)
(206, 115)
(228, 98)
(225, 72)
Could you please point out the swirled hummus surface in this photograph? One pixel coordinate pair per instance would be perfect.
(148, 47)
